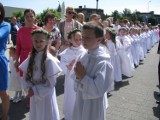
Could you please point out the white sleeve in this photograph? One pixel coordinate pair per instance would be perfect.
(63, 64)
(102, 81)
(23, 66)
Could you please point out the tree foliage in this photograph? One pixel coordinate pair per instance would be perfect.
(18, 14)
(152, 20)
(39, 16)
(126, 12)
(116, 15)
(42, 15)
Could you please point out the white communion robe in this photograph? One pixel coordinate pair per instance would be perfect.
(91, 97)
(43, 104)
(123, 51)
(115, 60)
(15, 82)
(67, 56)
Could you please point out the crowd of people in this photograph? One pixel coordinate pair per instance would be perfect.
(93, 55)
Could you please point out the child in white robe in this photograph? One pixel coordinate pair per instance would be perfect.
(93, 76)
(15, 83)
(40, 70)
(67, 60)
(123, 49)
(115, 60)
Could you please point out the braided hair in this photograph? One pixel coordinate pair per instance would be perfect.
(29, 75)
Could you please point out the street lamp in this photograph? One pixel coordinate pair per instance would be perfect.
(148, 5)
(97, 5)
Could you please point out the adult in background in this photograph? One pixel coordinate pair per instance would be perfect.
(4, 33)
(95, 17)
(50, 26)
(81, 18)
(68, 25)
(24, 40)
(19, 22)
(14, 30)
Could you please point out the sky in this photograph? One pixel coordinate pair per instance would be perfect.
(107, 5)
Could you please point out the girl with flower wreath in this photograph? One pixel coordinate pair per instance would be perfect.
(68, 59)
(40, 71)
(115, 60)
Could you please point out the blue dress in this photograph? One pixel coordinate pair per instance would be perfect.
(4, 33)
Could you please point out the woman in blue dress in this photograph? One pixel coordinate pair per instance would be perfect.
(4, 32)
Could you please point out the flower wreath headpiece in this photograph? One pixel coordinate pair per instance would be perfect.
(41, 31)
(111, 31)
(72, 32)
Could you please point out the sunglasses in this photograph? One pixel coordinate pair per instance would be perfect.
(69, 12)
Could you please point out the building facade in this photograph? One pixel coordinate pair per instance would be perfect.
(147, 16)
(10, 10)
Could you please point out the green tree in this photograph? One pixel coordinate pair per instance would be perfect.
(152, 20)
(116, 15)
(126, 12)
(42, 15)
(18, 14)
(134, 17)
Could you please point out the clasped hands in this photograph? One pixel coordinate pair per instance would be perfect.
(79, 71)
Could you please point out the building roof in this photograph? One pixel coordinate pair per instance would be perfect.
(10, 10)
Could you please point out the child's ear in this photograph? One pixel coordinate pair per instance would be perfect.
(100, 39)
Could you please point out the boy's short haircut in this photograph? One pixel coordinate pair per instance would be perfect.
(96, 26)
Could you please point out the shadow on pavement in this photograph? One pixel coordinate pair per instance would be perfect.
(125, 77)
(18, 110)
(118, 85)
(156, 110)
(60, 85)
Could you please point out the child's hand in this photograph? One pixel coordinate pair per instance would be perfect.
(16, 65)
(30, 92)
(79, 70)
(70, 66)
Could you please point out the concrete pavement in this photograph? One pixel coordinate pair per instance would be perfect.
(133, 99)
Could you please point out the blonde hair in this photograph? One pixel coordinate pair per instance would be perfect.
(94, 17)
(70, 9)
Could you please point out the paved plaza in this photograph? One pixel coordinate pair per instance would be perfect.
(133, 99)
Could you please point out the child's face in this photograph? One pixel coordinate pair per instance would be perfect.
(122, 32)
(108, 36)
(105, 24)
(132, 31)
(76, 40)
(40, 41)
(89, 39)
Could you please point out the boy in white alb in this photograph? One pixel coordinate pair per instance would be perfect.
(93, 76)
